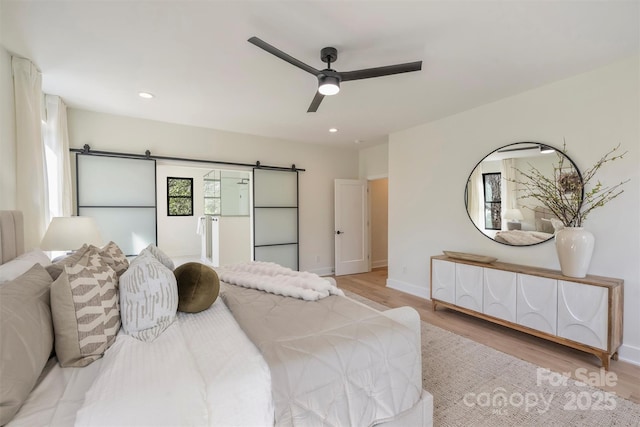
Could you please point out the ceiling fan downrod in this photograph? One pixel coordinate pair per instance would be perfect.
(329, 55)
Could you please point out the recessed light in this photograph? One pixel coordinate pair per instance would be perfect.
(333, 130)
(145, 95)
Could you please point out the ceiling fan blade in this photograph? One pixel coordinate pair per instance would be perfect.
(315, 103)
(284, 56)
(381, 71)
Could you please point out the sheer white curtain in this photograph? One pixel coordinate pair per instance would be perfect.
(509, 196)
(31, 184)
(475, 198)
(56, 145)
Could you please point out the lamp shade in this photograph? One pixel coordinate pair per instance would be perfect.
(514, 214)
(68, 233)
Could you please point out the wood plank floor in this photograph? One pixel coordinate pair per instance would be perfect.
(540, 352)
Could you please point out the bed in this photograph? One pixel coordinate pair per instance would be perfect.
(242, 361)
(545, 223)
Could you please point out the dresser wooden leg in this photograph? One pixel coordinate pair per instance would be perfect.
(605, 361)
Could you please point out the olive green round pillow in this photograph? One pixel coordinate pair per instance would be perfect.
(198, 287)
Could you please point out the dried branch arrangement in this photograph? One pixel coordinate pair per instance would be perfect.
(571, 197)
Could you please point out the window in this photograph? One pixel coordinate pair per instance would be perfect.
(179, 196)
(492, 201)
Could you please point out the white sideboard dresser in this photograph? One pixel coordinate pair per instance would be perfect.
(582, 313)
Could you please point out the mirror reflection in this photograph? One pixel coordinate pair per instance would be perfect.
(226, 193)
(494, 198)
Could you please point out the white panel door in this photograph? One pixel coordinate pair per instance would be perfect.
(351, 231)
(469, 286)
(582, 313)
(537, 303)
(443, 281)
(500, 294)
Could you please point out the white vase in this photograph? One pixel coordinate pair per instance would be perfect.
(575, 247)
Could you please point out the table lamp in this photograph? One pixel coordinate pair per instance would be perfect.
(513, 217)
(68, 233)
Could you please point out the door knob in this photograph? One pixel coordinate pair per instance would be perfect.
(339, 232)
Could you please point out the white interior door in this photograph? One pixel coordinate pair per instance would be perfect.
(351, 231)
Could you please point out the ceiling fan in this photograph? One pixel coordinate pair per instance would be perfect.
(328, 79)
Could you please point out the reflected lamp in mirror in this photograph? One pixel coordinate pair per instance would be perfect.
(68, 233)
(513, 217)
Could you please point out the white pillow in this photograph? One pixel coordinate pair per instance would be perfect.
(20, 265)
(148, 298)
(159, 255)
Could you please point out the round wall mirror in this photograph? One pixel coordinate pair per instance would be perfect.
(495, 201)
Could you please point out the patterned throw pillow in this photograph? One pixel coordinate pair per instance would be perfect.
(57, 267)
(159, 255)
(114, 257)
(148, 298)
(85, 310)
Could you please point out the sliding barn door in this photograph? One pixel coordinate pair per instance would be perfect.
(275, 217)
(120, 193)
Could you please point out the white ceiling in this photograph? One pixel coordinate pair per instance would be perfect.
(194, 56)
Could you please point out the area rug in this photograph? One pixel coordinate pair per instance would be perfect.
(475, 385)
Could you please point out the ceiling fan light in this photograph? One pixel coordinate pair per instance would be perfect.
(328, 85)
(545, 149)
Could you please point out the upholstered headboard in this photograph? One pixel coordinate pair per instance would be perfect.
(11, 235)
(543, 212)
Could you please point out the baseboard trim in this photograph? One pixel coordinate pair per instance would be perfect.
(630, 354)
(324, 271)
(379, 263)
(408, 288)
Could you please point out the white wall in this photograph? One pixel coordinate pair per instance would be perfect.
(429, 166)
(234, 232)
(323, 164)
(373, 162)
(189, 243)
(235, 239)
(7, 134)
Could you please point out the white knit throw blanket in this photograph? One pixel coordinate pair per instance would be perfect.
(279, 280)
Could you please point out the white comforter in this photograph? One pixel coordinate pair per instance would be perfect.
(202, 371)
(520, 237)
